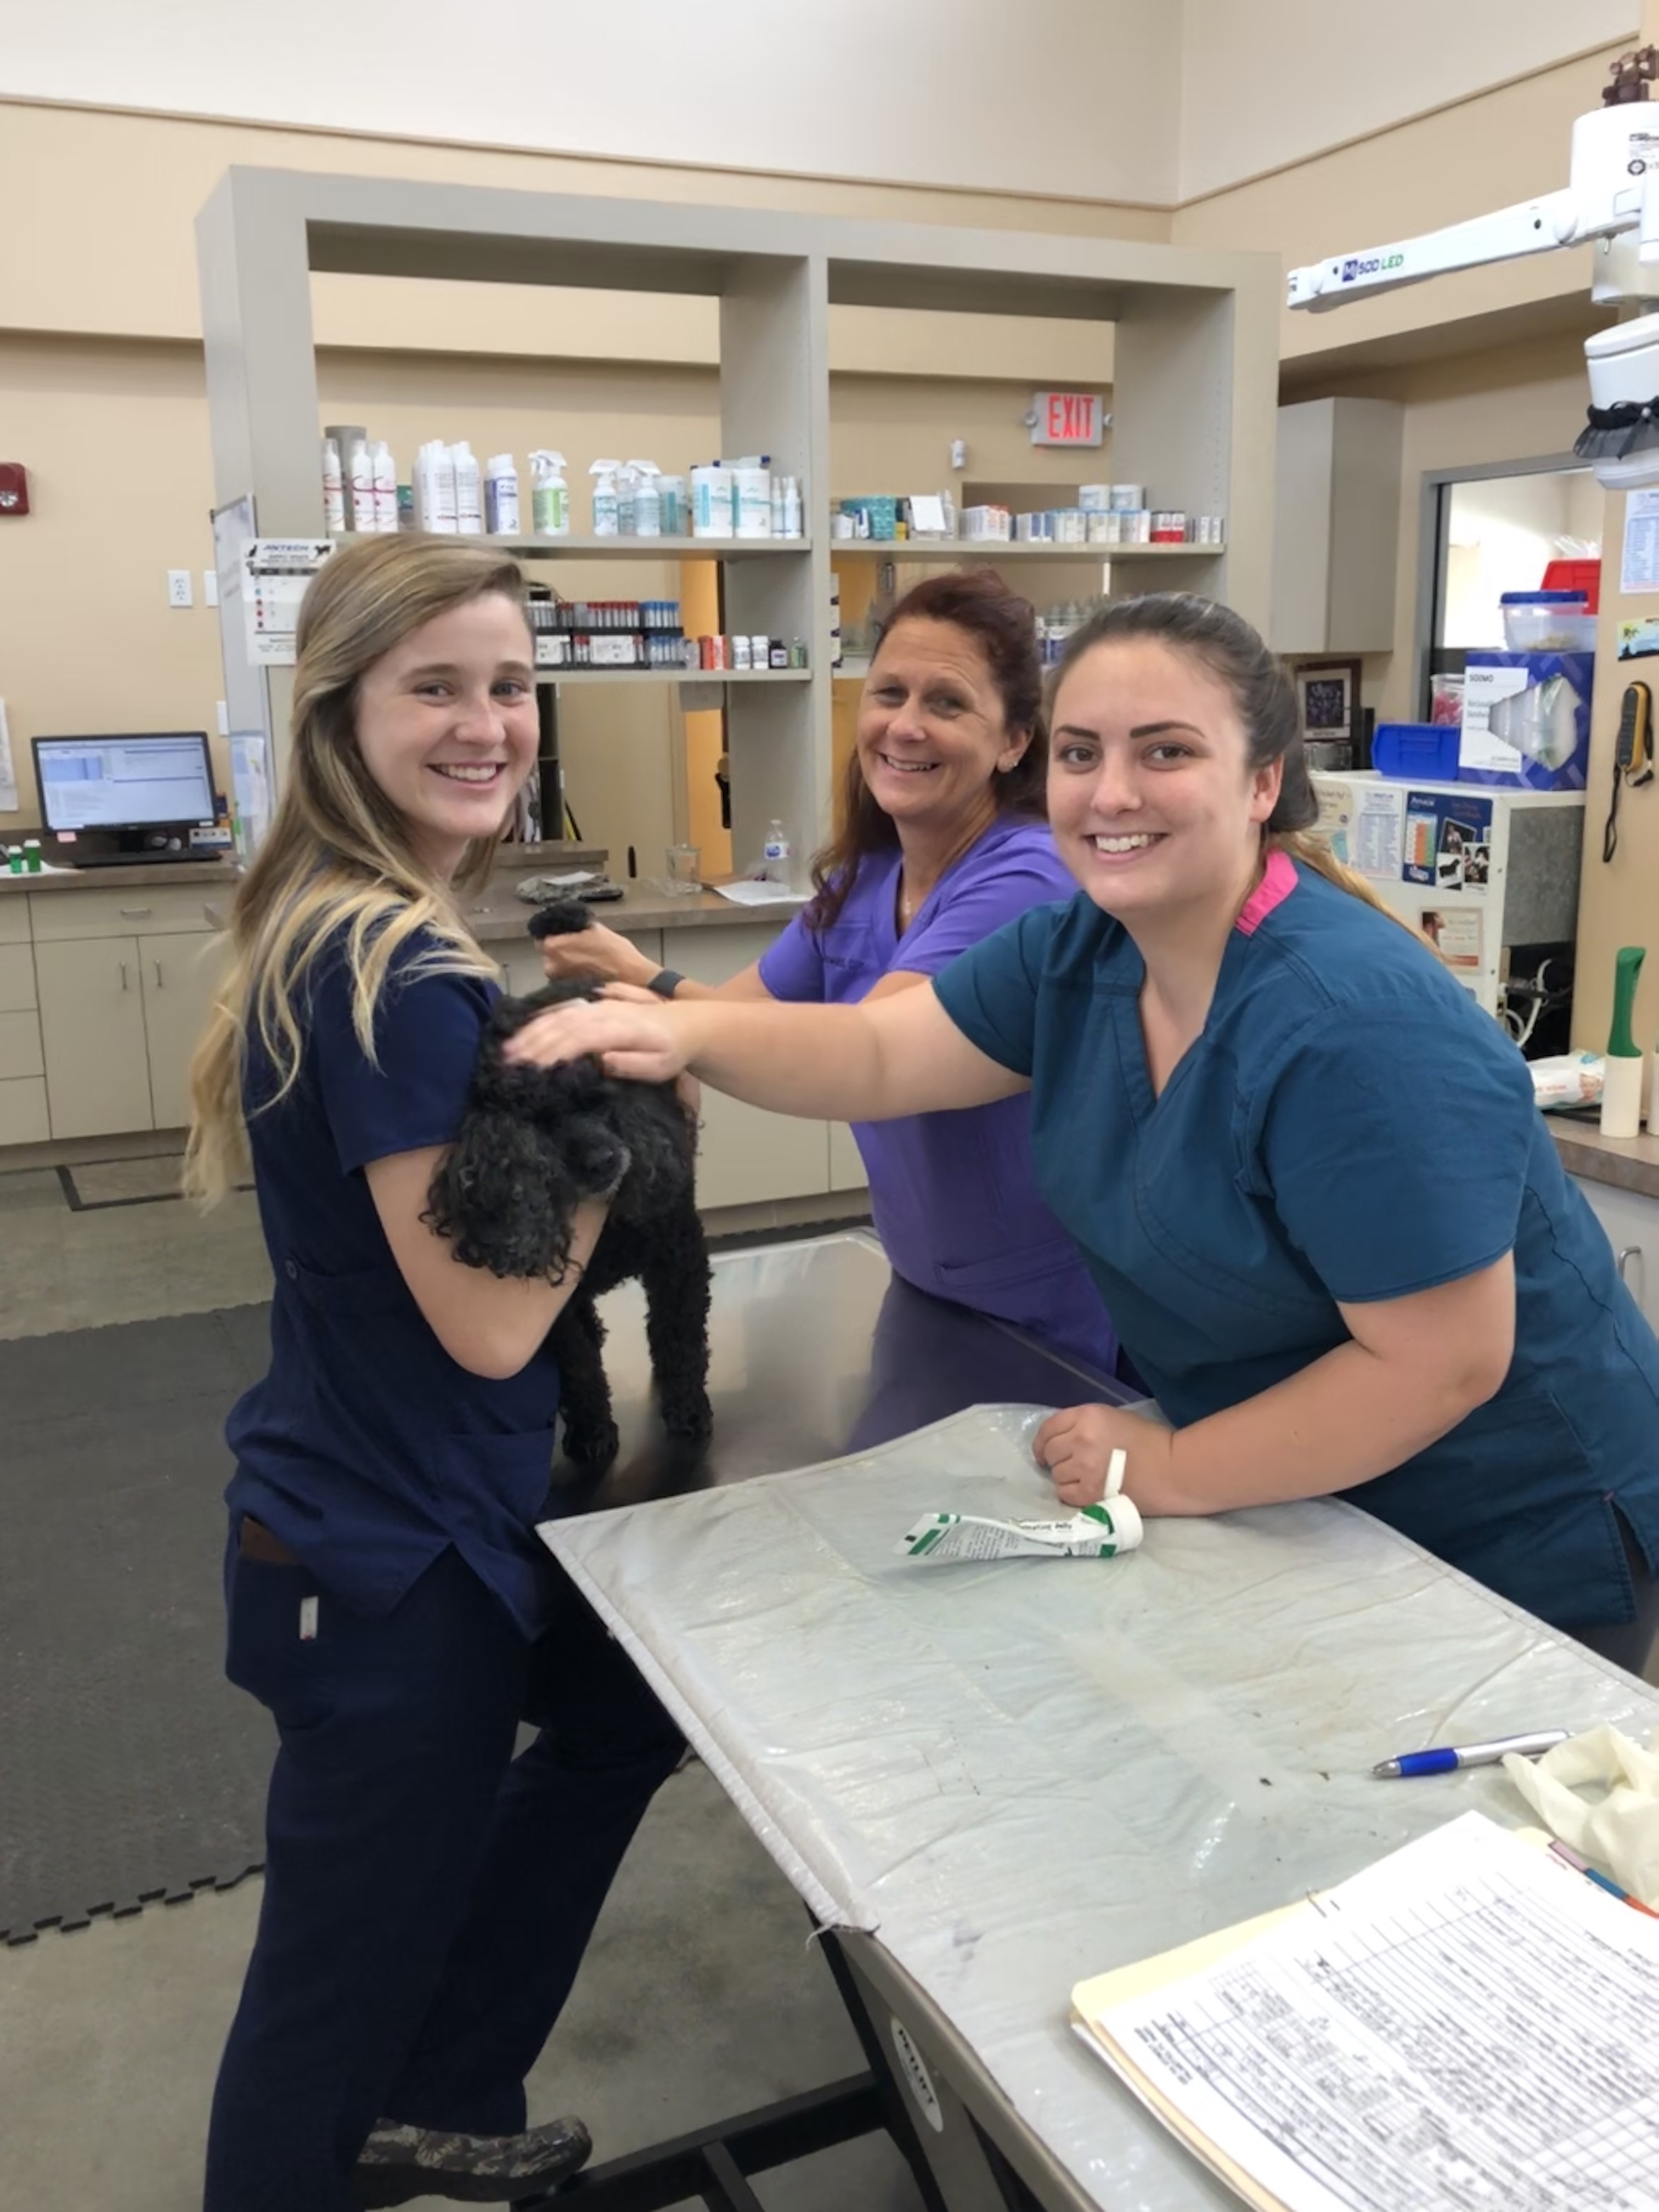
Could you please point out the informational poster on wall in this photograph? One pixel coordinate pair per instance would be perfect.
(1448, 841)
(1638, 569)
(1364, 825)
(1457, 933)
(276, 572)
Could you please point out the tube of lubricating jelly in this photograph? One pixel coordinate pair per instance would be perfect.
(1099, 1532)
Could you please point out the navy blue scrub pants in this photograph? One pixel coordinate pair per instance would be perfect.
(428, 1896)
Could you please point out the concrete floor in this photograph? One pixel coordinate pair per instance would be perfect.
(701, 1996)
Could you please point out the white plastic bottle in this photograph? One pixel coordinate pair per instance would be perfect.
(434, 489)
(385, 487)
(550, 495)
(606, 506)
(775, 853)
(502, 495)
(791, 507)
(333, 490)
(648, 506)
(469, 490)
(360, 467)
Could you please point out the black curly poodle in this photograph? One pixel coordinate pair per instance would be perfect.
(537, 1140)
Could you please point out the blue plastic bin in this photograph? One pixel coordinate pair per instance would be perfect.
(1416, 752)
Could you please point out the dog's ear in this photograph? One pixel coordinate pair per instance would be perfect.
(563, 918)
(503, 1195)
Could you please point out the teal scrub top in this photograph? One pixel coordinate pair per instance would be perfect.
(1349, 1126)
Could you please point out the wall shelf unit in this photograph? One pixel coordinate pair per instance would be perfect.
(1194, 403)
(955, 552)
(700, 677)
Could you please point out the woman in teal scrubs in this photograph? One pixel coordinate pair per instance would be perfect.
(1305, 1170)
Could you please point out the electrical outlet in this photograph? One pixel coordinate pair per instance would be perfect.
(178, 590)
(210, 587)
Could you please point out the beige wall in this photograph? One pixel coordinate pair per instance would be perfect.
(944, 92)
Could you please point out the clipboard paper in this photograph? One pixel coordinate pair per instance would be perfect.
(1467, 2023)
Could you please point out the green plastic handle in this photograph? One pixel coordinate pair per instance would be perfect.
(1627, 967)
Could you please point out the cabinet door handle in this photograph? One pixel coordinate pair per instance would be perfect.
(159, 985)
(126, 986)
(136, 912)
(1627, 1253)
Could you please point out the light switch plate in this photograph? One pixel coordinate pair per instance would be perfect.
(210, 587)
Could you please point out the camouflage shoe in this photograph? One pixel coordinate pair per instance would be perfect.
(400, 2163)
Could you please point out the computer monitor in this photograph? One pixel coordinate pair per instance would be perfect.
(158, 779)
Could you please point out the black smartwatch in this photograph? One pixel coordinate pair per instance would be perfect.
(665, 982)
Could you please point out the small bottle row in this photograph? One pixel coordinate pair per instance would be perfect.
(450, 493)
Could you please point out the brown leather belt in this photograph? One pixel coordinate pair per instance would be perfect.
(257, 1542)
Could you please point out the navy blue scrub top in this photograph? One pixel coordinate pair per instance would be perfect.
(366, 1449)
(1349, 1126)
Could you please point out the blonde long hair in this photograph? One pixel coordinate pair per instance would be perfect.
(337, 863)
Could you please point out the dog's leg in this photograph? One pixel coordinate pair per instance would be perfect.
(578, 1339)
(677, 1286)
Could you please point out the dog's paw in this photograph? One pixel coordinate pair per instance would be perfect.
(594, 1449)
(690, 1423)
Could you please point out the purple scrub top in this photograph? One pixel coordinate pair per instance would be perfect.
(953, 1196)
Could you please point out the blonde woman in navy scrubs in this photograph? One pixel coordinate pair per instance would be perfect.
(1305, 1170)
(428, 1896)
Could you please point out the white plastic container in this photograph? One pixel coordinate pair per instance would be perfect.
(751, 498)
(647, 502)
(607, 508)
(502, 515)
(792, 508)
(1547, 621)
(469, 490)
(386, 487)
(359, 474)
(550, 495)
(434, 489)
(333, 490)
(673, 515)
(711, 501)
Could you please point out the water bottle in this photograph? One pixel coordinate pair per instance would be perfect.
(775, 853)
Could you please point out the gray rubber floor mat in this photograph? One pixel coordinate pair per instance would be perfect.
(130, 1770)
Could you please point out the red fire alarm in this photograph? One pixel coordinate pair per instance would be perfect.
(14, 488)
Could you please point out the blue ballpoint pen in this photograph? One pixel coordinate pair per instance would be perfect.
(1470, 1754)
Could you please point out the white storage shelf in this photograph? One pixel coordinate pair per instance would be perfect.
(673, 675)
(1008, 549)
(629, 549)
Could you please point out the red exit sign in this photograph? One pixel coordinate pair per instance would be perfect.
(1067, 418)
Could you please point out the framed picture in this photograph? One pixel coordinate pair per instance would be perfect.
(1327, 692)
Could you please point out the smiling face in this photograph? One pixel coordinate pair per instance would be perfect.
(1153, 804)
(932, 733)
(446, 725)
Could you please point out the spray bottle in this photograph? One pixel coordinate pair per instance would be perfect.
(606, 506)
(648, 506)
(333, 490)
(1622, 1076)
(550, 495)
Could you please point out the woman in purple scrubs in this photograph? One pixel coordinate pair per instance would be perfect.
(945, 839)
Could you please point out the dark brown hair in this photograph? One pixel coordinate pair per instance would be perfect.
(1263, 695)
(1003, 625)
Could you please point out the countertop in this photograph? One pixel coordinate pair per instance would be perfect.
(501, 914)
(141, 875)
(1628, 1162)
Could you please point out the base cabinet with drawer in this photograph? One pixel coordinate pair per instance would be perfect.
(1632, 1222)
